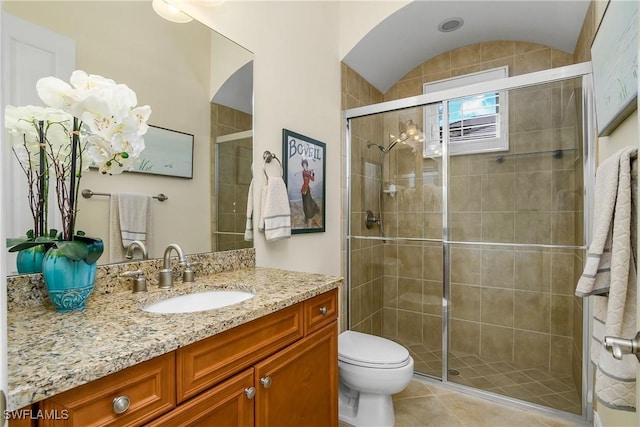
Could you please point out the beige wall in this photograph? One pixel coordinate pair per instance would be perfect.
(149, 62)
(296, 86)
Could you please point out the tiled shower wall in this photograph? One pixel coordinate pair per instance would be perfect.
(505, 300)
(229, 207)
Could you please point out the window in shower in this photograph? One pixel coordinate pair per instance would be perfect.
(477, 123)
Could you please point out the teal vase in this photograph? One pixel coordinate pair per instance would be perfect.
(29, 261)
(69, 282)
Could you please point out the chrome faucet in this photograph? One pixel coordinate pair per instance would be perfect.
(131, 249)
(166, 273)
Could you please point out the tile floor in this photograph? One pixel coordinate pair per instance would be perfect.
(504, 378)
(424, 403)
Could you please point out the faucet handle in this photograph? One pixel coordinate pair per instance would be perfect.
(189, 274)
(139, 283)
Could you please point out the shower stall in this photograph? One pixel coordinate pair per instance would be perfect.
(468, 211)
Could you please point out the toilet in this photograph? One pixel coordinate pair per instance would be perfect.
(371, 369)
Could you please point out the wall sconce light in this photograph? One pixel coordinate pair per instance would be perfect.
(170, 12)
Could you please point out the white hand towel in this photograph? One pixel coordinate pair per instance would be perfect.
(116, 248)
(275, 215)
(248, 229)
(134, 209)
(610, 276)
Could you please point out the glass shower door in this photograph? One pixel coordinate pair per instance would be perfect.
(395, 236)
(515, 242)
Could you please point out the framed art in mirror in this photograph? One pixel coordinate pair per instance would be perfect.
(303, 172)
(167, 152)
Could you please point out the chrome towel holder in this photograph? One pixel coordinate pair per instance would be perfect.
(87, 194)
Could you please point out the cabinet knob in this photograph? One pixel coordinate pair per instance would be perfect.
(250, 392)
(121, 404)
(266, 382)
(323, 310)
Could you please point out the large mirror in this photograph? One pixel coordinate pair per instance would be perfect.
(195, 81)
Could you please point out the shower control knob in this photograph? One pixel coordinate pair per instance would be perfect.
(621, 346)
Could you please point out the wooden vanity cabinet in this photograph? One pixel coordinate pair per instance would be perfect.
(276, 371)
(298, 386)
(149, 388)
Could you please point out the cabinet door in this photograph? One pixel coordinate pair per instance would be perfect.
(298, 386)
(230, 404)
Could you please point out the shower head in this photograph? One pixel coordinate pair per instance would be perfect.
(373, 144)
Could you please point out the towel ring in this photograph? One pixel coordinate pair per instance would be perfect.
(268, 156)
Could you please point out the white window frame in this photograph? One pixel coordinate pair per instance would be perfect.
(499, 142)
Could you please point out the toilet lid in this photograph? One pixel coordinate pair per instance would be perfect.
(370, 350)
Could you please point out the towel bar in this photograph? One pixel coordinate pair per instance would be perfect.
(87, 194)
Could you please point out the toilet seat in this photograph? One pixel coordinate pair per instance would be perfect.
(371, 351)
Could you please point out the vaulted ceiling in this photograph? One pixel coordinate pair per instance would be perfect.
(410, 36)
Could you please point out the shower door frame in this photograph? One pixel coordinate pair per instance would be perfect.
(583, 70)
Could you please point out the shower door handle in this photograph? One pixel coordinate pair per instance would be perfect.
(621, 346)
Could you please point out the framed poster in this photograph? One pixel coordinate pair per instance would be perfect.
(614, 58)
(304, 169)
(167, 152)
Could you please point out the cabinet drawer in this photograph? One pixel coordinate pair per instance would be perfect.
(320, 311)
(227, 404)
(149, 386)
(205, 363)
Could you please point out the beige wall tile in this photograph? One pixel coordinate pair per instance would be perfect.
(432, 331)
(533, 227)
(533, 191)
(498, 192)
(466, 265)
(497, 306)
(561, 355)
(465, 302)
(466, 226)
(390, 291)
(562, 315)
(532, 311)
(497, 49)
(466, 55)
(531, 110)
(531, 349)
(439, 63)
(389, 322)
(562, 274)
(465, 336)
(410, 326)
(432, 297)
(498, 266)
(498, 227)
(410, 294)
(496, 343)
(432, 264)
(533, 271)
(532, 61)
(563, 228)
(410, 260)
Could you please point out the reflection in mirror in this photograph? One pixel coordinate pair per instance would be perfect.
(177, 69)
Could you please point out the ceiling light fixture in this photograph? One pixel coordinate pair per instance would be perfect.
(450, 24)
(170, 12)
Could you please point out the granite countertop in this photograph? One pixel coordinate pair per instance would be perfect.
(51, 352)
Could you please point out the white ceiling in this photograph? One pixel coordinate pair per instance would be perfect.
(410, 36)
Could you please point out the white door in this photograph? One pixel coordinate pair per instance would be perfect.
(29, 52)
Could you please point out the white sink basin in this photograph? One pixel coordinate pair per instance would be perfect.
(199, 301)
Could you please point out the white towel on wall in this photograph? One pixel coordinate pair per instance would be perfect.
(116, 248)
(275, 212)
(134, 209)
(248, 228)
(610, 276)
